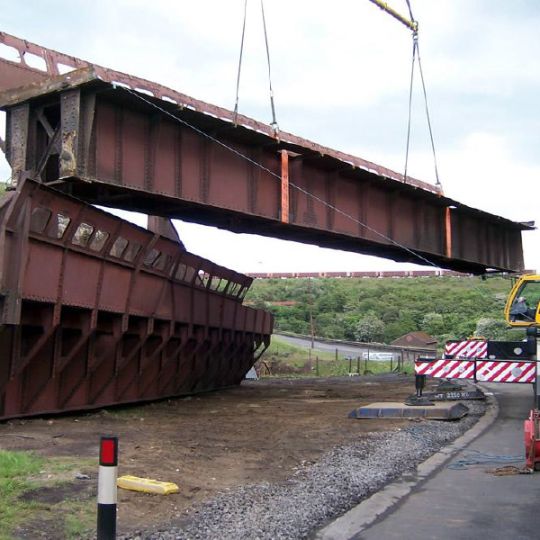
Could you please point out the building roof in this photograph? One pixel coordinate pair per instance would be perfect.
(414, 339)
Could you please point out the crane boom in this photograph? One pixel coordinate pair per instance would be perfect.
(412, 25)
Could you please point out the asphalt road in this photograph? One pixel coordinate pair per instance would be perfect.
(471, 503)
(343, 349)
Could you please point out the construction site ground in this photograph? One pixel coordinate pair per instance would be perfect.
(261, 431)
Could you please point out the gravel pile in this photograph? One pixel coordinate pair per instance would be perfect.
(317, 493)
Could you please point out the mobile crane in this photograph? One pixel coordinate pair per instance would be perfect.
(523, 304)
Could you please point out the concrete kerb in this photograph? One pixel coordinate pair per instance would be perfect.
(364, 514)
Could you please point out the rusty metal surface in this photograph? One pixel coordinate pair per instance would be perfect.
(14, 74)
(97, 311)
(164, 227)
(136, 156)
(19, 71)
(133, 149)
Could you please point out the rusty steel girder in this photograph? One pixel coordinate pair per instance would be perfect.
(96, 311)
(114, 146)
(128, 149)
(18, 72)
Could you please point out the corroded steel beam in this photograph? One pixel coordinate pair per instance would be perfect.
(141, 146)
(165, 228)
(29, 63)
(96, 311)
(18, 71)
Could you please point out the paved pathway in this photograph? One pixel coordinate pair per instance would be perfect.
(470, 503)
(344, 349)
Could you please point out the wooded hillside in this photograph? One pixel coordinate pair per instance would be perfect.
(371, 309)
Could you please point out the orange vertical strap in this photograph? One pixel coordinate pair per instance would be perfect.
(448, 232)
(284, 186)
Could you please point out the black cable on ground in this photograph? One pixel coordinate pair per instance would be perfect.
(476, 457)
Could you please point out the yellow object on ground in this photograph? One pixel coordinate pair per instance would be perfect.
(146, 485)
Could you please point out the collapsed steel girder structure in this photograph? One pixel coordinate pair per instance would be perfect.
(97, 311)
(117, 140)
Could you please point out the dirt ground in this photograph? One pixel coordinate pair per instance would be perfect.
(261, 431)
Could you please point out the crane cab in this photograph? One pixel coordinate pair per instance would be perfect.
(523, 303)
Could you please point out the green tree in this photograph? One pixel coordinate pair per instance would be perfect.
(464, 328)
(491, 328)
(395, 329)
(403, 305)
(349, 322)
(332, 300)
(433, 324)
(369, 328)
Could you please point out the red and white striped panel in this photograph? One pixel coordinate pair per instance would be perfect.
(506, 372)
(448, 369)
(468, 348)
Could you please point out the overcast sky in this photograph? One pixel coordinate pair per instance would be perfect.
(340, 74)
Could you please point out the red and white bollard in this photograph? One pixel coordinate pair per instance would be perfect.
(108, 472)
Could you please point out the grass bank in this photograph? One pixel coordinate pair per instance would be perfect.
(35, 490)
(283, 359)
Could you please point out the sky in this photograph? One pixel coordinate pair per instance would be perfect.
(340, 74)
